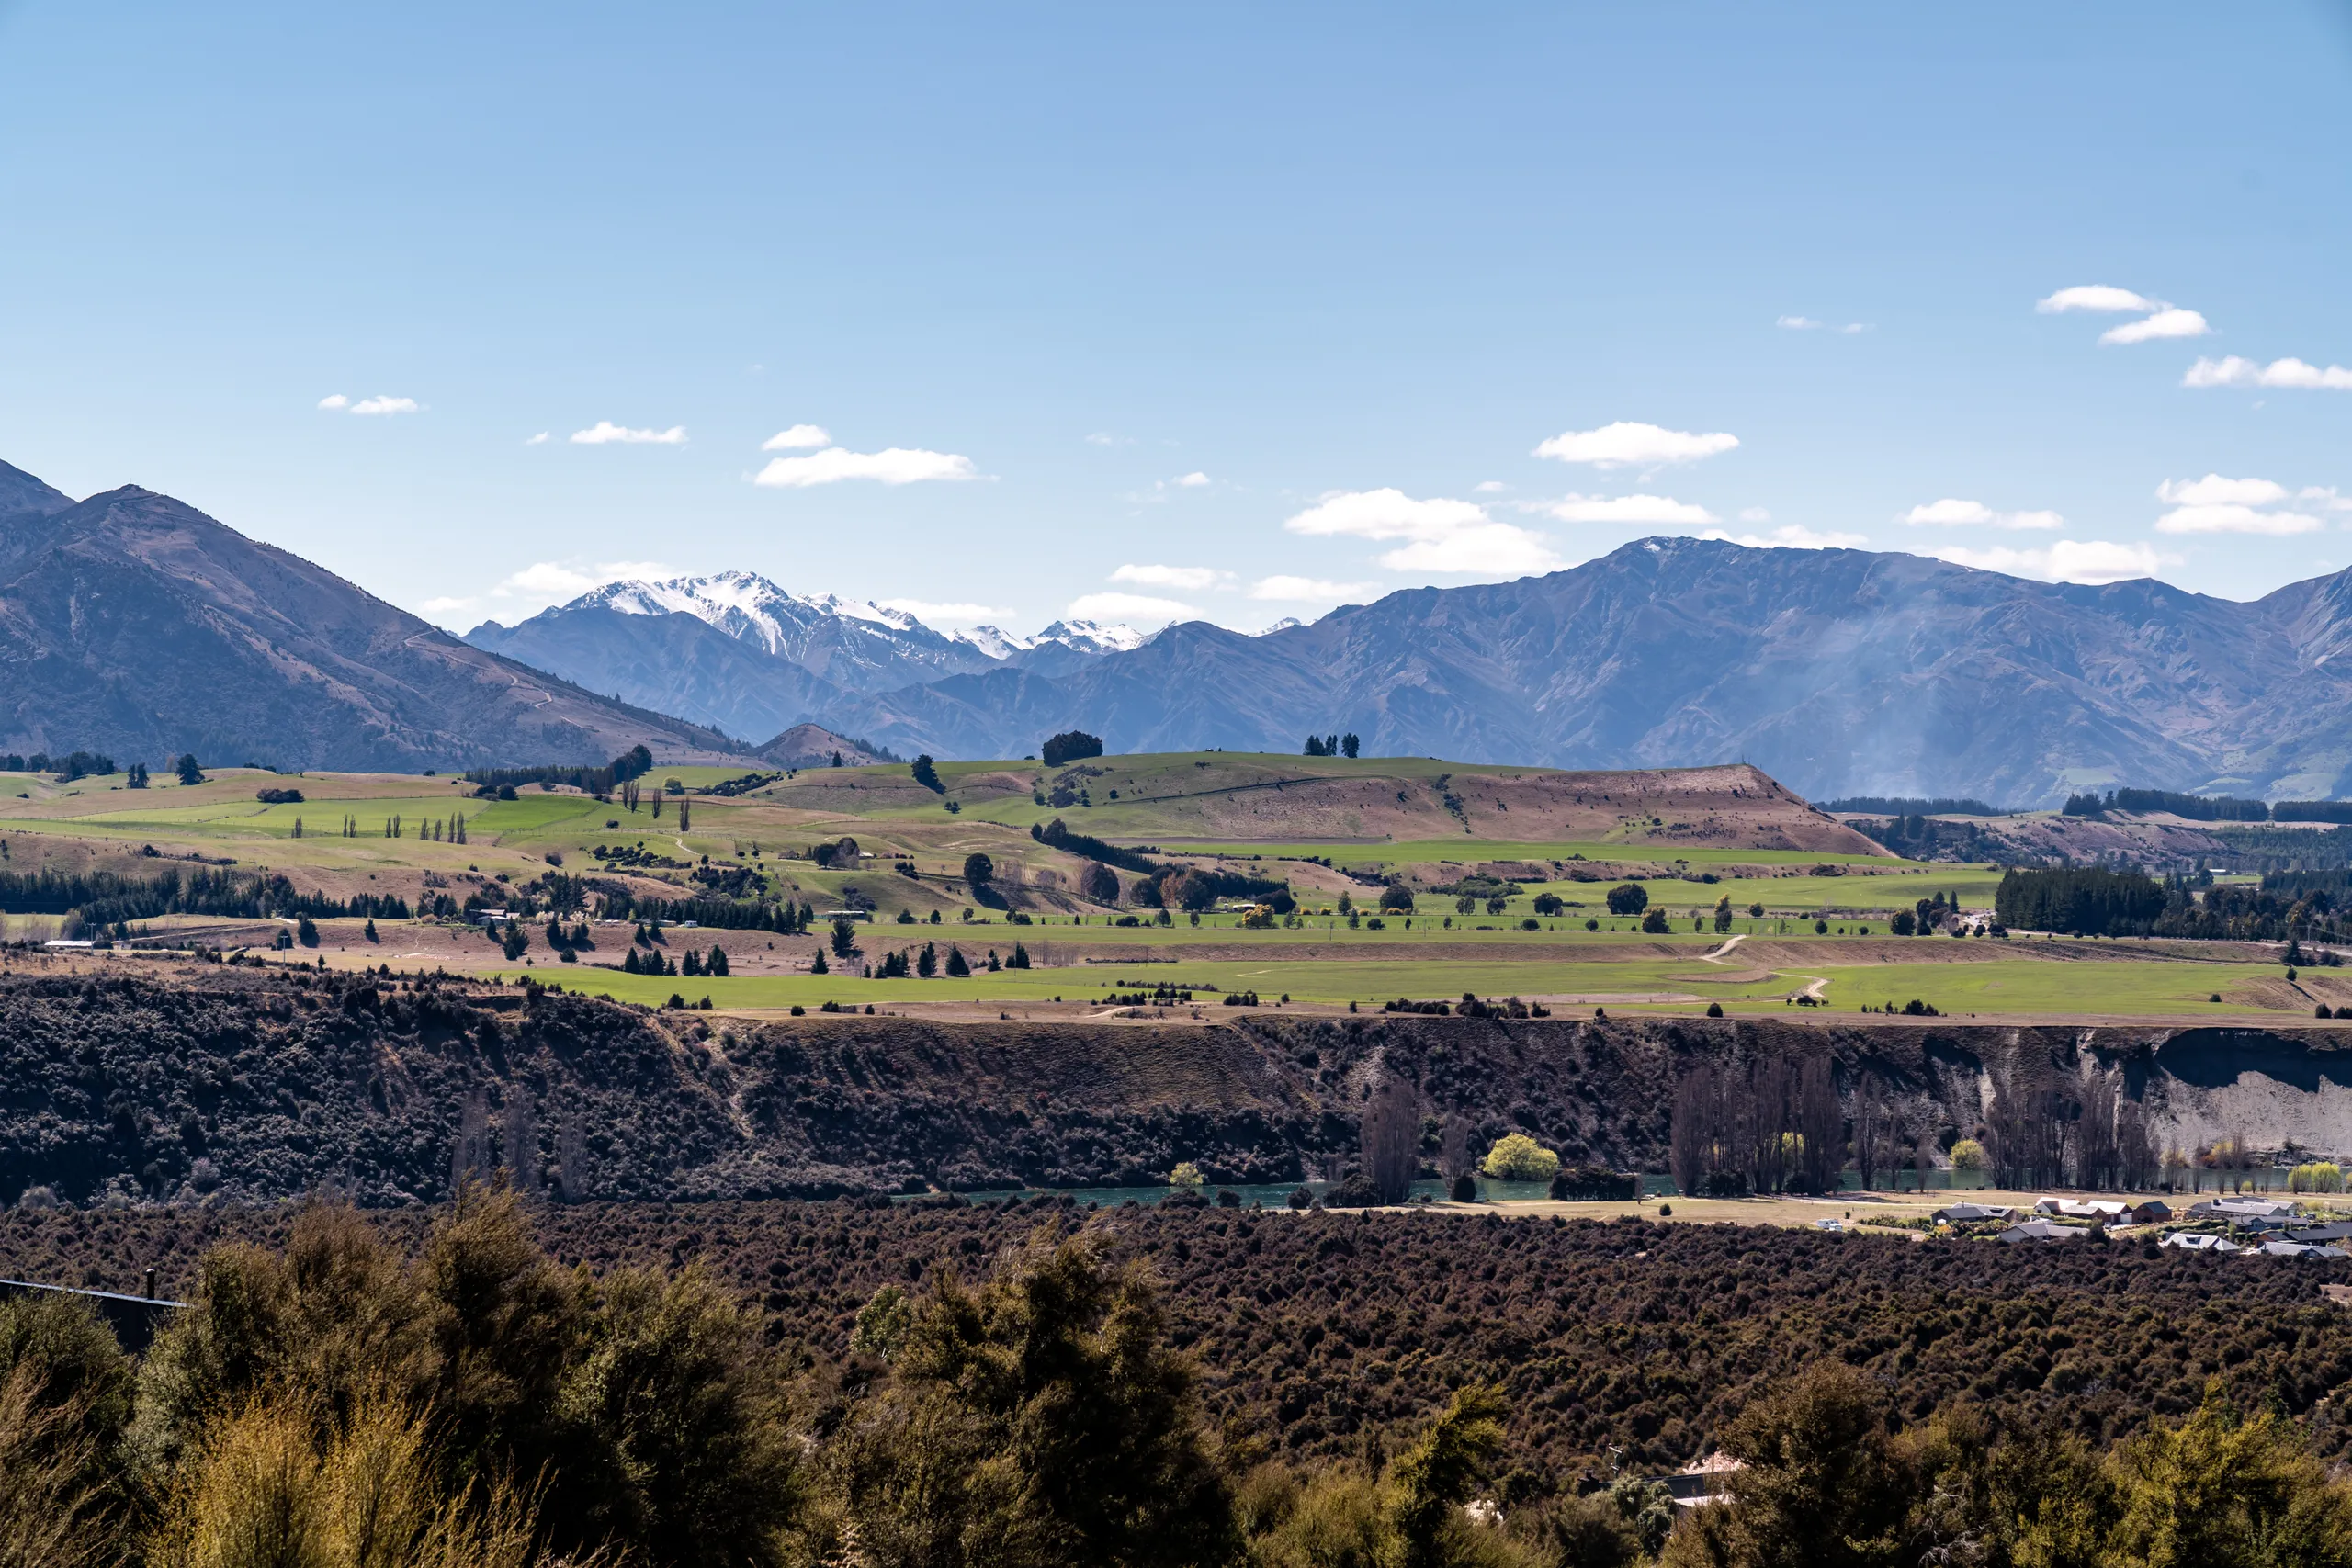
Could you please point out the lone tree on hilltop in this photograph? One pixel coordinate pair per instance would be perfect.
(1069, 746)
(187, 770)
(926, 775)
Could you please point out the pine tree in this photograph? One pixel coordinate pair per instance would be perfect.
(1314, 746)
(718, 964)
(685, 816)
(1348, 744)
(927, 963)
(957, 968)
(694, 964)
(816, 962)
(1020, 959)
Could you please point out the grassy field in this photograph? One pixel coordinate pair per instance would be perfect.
(1438, 823)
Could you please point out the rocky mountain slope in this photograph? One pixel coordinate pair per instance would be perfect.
(134, 623)
(281, 1082)
(1838, 671)
(738, 652)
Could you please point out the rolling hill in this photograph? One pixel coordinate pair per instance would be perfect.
(134, 625)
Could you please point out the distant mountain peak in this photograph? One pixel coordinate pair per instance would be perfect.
(21, 493)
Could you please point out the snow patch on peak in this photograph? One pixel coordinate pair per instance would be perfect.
(1283, 626)
(1090, 637)
(992, 641)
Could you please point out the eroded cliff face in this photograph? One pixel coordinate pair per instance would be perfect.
(262, 1085)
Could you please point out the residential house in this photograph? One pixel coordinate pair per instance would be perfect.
(1972, 1214)
(2043, 1230)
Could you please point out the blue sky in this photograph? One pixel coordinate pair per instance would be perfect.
(1232, 311)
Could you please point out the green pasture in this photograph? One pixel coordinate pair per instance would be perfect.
(2026, 986)
(1467, 853)
(1372, 981)
(1954, 989)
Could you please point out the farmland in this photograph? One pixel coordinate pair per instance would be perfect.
(1503, 881)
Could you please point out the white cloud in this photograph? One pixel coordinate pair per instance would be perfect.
(2232, 371)
(2171, 323)
(1387, 514)
(2093, 561)
(1308, 590)
(797, 438)
(1628, 508)
(542, 583)
(2097, 297)
(1755, 515)
(1800, 323)
(1445, 536)
(604, 433)
(1193, 480)
(1104, 438)
(891, 466)
(2234, 520)
(2215, 490)
(2218, 505)
(335, 402)
(539, 440)
(1497, 548)
(1127, 607)
(1793, 537)
(1627, 443)
(1953, 513)
(1488, 487)
(1193, 578)
(947, 614)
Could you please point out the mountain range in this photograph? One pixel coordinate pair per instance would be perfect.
(1836, 672)
(735, 651)
(134, 623)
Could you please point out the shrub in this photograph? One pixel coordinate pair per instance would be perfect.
(1069, 746)
(1048, 1408)
(1355, 1193)
(1517, 1157)
(1186, 1174)
(1654, 922)
(1628, 899)
(1968, 1154)
(1595, 1184)
(2319, 1176)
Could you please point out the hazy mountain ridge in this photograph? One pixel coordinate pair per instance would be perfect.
(1839, 672)
(134, 623)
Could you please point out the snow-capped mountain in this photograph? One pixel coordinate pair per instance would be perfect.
(736, 651)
